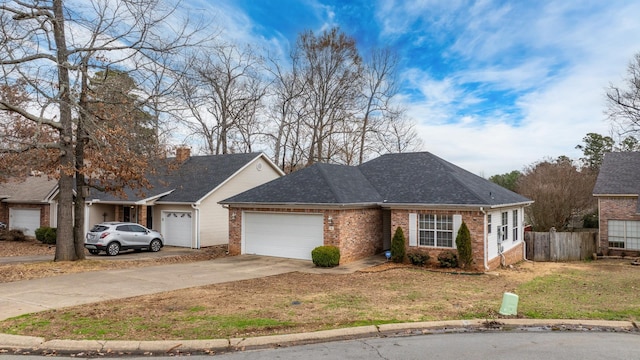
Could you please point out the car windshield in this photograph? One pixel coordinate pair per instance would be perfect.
(99, 228)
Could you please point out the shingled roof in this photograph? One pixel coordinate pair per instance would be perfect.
(619, 174)
(187, 182)
(32, 189)
(407, 178)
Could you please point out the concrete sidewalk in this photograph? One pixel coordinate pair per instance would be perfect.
(28, 296)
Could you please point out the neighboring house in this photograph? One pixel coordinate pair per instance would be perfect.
(29, 203)
(358, 208)
(183, 202)
(617, 189)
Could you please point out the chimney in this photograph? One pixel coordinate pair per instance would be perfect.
(182, 153)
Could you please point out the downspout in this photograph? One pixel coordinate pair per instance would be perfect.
(484, 235)
(87, 216)
(197, 209)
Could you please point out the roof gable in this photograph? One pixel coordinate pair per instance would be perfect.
(619, 174)
(407, 178)
(187, 182)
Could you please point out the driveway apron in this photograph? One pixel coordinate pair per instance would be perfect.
(28, 296)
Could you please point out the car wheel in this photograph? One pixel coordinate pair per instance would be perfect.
(94, 252)
(155, 245)
(113, 249)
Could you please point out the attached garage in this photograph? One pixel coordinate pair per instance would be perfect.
(282, 235)
(27, 220)
(177, 228)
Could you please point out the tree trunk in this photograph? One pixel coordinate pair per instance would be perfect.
(65, 249)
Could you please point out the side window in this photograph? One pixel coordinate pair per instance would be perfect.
(136, 228)
(489, 223)
(123, 228)
(504, 231)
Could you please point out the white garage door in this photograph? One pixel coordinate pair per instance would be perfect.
(178, 227)
(282, 235)
(27, 220)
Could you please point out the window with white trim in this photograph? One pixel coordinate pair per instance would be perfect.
(489, 223)
(515, 225)
(504, 228)
(624, 234)
(435, 230)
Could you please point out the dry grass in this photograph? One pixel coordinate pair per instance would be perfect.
(308, 302)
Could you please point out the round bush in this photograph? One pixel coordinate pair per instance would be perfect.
(326, 256)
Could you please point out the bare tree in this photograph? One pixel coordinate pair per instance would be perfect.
(378, 90)
(560, 191)
(223, 96)
(624, 102)
(53, 48)
(331, 70)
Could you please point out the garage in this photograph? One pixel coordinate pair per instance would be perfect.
(282, 235)
(177, 228)
(27, 220)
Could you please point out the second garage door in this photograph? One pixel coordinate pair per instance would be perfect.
(177, 229)
(282, 235)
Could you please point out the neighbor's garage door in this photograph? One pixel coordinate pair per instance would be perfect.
(27, 220)
(178, 227)
(282, 235)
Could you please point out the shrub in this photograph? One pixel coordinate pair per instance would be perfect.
(591, 221)
(326, 256)
(448, 259)
(12, 235)
(397, 246)
(463, 243)
(46, 235)
(418, 258)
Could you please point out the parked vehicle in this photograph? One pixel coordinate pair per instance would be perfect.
(113, 237)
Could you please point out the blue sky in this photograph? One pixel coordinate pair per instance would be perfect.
(492, 86)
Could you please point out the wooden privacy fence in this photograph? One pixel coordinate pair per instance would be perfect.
(560, 246)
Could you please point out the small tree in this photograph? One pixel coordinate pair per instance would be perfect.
(463, 243)
(397, 246)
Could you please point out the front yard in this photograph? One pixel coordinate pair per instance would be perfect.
(297, 302)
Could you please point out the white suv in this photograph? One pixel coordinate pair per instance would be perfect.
(112, 237)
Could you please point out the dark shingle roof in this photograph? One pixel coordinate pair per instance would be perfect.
(317, 184)
(408, 178)
(423, 178)
(188, 182)
(32, 189)
(619, 174)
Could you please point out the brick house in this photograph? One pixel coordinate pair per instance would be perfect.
(617, 188)
(183, 201)
(358, 208)
(29, 203)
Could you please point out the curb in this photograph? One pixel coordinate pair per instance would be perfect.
(33, 345)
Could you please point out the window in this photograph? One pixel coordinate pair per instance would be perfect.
(435, 230)
(515, 225)
(489, 223)
(504, 229)
(624, 234)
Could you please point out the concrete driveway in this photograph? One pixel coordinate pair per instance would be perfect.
(28, 296)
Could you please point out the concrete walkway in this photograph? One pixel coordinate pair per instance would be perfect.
(28, 296)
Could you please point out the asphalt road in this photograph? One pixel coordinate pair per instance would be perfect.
(560, 345)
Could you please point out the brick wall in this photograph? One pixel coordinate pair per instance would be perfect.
(357, 232)
(615, 208)
(511, 256)
(473, 219)
(45, 217)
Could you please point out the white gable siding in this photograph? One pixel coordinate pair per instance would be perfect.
(496, 221)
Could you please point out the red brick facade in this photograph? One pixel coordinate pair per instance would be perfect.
(44, 212)
(359, 232)
(615, 208)
(474, 221)
(356, 232)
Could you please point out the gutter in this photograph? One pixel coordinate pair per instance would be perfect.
(196, 207)
(485, 239)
